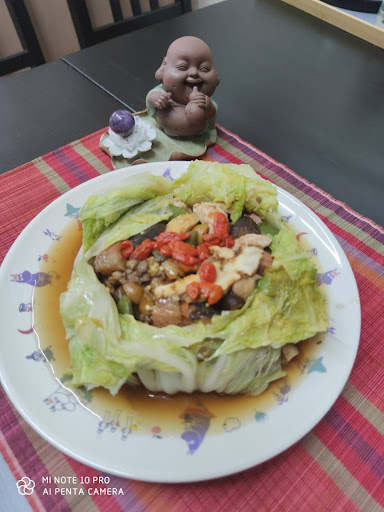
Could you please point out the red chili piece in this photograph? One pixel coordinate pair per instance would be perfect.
(127, 248)
(215, 294)
(188, 269)
(213, 239)
(229, 242)
(184, 253)
(177, 245)
(220, 225)
(143, 250)
(190, 261)
(168, 236)
(203, 251)
(193, 290)
(205, 288)
(208, 272)
(166, 251)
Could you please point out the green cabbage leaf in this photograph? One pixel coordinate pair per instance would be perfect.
(134, 221)
(237, 186)
(101, 210)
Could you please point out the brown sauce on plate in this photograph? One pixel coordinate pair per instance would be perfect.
(138, 410)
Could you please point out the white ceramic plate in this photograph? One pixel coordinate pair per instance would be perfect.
(208, 445)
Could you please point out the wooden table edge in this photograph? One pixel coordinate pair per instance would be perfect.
(342, 20)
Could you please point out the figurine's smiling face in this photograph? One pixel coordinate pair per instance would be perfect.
(188, 64)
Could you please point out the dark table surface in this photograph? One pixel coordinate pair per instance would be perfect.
(299, 89)
(45, 108)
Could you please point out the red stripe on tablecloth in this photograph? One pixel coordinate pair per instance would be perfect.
(26, 455)
(18, 201)
(359, 468)
(103, 503)
(229, 156)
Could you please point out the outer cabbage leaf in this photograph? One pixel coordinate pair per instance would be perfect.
(260, 194)
(247, 371)
(289, 254)
(92, 325)
(134, 221)
(101, 210)
(233, 185)
(91, 369)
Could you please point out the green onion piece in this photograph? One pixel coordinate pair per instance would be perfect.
(158, 256)
(124, 306)
(193, 238)
(176, 211)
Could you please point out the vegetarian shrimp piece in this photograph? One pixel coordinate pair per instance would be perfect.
(176, 287)
(206, 213)
(252, 239)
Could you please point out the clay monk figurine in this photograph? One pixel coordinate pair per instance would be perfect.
(182, 103)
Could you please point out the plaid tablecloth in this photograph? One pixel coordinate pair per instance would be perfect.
(339, 465)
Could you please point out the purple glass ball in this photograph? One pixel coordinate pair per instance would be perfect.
(122, 122)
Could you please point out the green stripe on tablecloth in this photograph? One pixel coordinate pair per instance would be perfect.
(52, 175)
(346, 482)
(90, 157)
(299, 194)
(364, 406)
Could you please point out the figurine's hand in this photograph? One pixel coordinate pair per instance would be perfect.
(200, 98)
(162, 100)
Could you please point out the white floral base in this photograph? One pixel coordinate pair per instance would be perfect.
(139, 141)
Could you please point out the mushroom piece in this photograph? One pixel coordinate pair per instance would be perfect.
(150, 233)
(245, 286)
(201, 311)
(231, 301)
(243, 226)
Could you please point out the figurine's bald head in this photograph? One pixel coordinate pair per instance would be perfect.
(188, 64)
